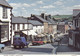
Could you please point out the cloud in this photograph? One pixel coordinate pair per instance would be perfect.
(76, 6)
(48, 6)
(20, 5)
(39, 2)
(20, 9)
(22, 12)
(59, 2)
(7, 0)
(33, 4)
(66, 10)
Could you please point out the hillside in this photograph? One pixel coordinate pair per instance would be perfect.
(62, 17)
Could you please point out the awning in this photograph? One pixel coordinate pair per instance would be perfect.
(31, 32)
(40, 35)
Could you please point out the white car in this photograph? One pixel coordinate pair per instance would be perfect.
(1, 47)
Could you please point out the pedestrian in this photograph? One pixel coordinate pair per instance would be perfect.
(51, 38)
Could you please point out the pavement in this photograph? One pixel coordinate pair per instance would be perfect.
(63, 48)
(41, 49)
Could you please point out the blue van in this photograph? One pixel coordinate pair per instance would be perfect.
(20, 42)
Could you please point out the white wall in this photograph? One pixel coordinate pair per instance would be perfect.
(39, 29)
(0, 12)
(54, 29)
(21, 27)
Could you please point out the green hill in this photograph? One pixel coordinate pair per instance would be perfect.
(62, 17)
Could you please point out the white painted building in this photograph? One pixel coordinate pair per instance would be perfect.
(37, 26)
(20, 24)
(5, 20)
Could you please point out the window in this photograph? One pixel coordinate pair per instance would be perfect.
(4, 12)
(13, 26)
(23, 26)
(18, 26)
(76, 23)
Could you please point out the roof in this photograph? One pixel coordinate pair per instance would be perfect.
(51, 21)
(35, 22)
(4, 3)
(19, 20)
(41, 18)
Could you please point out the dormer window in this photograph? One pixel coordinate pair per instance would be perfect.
(4, 12)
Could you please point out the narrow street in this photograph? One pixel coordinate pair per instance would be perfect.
(42, 49)
(53, 48)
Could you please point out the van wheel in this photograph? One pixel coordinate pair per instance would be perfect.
(14, 46)
(22, 46)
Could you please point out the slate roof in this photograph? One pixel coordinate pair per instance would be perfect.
(35, 22)
(4, 3)
(41, 18)
(19, 20)
(51, 21)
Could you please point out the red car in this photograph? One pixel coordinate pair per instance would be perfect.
(37, 42)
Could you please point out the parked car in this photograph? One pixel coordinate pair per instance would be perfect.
(1, 47)
(37, 42)
(56, 39)
(20, 42)
(44, 41)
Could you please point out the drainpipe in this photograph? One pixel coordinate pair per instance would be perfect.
(27, 29)
(11, 29)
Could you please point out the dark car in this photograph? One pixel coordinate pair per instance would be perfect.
(20, 42)
(56, 39)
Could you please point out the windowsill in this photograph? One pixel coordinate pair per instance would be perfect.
(5, 17)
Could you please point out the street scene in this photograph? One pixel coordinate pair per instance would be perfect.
(40, 27)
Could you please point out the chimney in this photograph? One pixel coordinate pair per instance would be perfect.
(49, 16)
(46, 17)
(32, 15)
(76, 12)
(42, 15)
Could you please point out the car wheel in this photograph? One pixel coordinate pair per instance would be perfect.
(38, 44)
(20, 47)
(27, 46)
(23, 46)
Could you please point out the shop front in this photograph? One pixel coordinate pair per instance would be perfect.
(4, 32)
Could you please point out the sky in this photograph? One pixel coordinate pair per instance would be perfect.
(53, 7)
